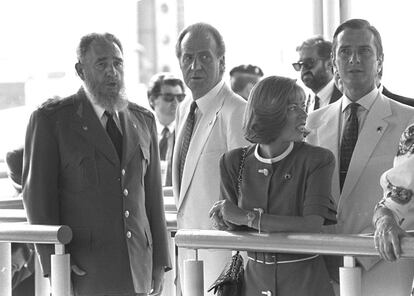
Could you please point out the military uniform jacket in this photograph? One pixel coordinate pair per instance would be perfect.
(72, 176)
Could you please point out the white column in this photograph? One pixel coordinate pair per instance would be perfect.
(60, 269)
(193, 278)
(350, 278)
(317, 17)
(5, 269)
(345, 10)
(330, 18)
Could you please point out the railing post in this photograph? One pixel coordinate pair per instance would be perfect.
(193, 277)
(5, 269)
(42, 284)
(60, 272)
(350, 278)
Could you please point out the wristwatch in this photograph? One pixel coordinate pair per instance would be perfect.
(251, 215)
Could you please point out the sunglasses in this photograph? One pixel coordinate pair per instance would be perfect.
(307, 64)
(167, 97)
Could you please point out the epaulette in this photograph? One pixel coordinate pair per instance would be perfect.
(135, 107)
(55, 103)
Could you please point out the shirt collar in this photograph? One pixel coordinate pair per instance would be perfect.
(204, 101)
(326, 92)
(160, 126)
(366, 101)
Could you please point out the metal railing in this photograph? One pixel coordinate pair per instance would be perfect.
(304, 243)
(14, 228)
(39, 234)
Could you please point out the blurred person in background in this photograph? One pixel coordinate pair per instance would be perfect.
(316, 72)
(22, 254)
(243, 78)
(165, 92)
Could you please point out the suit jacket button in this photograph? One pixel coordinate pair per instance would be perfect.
(123, 172)
(128, 234)
(125, 192)
(126, 214)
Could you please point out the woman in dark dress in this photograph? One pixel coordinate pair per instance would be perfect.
(284, 186)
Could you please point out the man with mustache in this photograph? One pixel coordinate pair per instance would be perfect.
(91, 162)
(362, 129)
(315, 68)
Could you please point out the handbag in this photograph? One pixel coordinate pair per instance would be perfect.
(230, 280)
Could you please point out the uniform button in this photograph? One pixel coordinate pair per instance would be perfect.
(126, 214)
(123, 172)
(128, 234)
(125, 192)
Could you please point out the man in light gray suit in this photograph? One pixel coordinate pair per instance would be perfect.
(362, 129)
(208, 123)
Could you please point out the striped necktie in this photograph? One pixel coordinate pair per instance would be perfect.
(349, 139)
(188, 131)
(316, 103)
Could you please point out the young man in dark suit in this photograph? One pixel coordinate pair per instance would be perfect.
(91, 162)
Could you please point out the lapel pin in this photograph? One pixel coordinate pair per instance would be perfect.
(84, 127)
(379, 129)
(264, 172)
(287, 176)
(135, 126)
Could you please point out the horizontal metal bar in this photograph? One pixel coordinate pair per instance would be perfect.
(11, 203)
(12, 215)
(43, 234)
(285, 242)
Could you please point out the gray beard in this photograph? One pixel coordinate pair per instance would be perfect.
(107, 101)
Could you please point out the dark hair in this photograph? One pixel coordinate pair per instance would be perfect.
(86, 41)
(324, 47)
(359, 24)
(266, 110)
(198, 28)
(239, 82)
(158, 80)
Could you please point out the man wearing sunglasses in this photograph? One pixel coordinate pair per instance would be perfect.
(316, 72)
(165, 92)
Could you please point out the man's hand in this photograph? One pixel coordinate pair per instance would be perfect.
(157, 281)
(387, 238)
(76, 269)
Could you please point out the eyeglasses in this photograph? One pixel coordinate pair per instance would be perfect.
(168, 97)
(307, 64)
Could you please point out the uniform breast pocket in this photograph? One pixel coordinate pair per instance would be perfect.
(145, 160)
(80, 174)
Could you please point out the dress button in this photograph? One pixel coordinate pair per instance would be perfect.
(125, 192)
(128, 234)
(123, 172)
(126, 214)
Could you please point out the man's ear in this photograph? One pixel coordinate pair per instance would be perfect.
(222, 64)
(79, 70)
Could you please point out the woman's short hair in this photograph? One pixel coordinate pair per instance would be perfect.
(266, 110)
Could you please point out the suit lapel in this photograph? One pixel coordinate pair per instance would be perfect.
(336, 95)
(328, 133)
(371, 133)
(88, 125)
(198, 141)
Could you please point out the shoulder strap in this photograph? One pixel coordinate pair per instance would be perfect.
(239, 178)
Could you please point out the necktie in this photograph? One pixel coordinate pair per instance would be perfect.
(349, 139)
(163, 144)
(188, 131)
(316, 104)
(114, 133)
